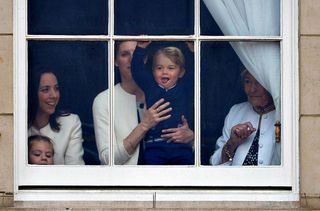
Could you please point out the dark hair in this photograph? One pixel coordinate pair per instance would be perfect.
(33, 138)
(116, 47)
(117, 75)
(33, 100)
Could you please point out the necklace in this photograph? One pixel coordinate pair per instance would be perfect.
(264, 110)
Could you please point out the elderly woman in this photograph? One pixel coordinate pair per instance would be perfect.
(249, 134)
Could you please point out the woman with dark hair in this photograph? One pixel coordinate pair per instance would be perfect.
(45, 118)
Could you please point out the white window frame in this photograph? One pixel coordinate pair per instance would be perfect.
(283, 179)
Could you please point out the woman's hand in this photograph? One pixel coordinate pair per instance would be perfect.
(143, 44)
(181, 134)
(158, 112)
(155, 114)
(240, 132)
(190, 45)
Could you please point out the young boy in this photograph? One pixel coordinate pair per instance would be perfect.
(168, 80)
(40, 150)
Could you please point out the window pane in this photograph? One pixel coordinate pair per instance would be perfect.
(81, 70)
(238, 17)
(207, 23)
(154, 17)
(221, 70)
(220, 89)
(68, 17)
(159, 78)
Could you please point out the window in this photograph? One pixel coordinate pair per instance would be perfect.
(78, 38)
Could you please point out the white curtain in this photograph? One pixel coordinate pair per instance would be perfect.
(253, 18)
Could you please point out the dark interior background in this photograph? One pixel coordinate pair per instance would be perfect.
(154, 17)
(68, 17)
(82, 66)
(221, 88)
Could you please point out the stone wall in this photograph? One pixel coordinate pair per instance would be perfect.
(309, 74)
(6, 102)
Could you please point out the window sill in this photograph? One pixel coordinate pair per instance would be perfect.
(192, 198)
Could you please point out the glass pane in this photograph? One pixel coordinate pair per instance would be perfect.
(224, 85)
(240, 18)
(81, 72)
(154, 17)
(207, 23)
(166, 75)
(70, 17)
(220, 68)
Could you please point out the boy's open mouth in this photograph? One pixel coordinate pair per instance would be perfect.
(164, 80)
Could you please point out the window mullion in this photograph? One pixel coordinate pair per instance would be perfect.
(241, 38)
(68, 37)
(197, 111)
(111, 80)
(154, 37)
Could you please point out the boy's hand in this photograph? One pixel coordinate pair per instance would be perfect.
(143, 44)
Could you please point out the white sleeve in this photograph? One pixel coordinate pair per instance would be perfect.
(101, 122)
(74, 151)
(121, 156)
(101, 119)
(215, 159)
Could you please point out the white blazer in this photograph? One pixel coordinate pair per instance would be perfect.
(125, 120)
(240, 113)
(67, 143)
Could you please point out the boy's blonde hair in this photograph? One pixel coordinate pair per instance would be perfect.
(173, 53)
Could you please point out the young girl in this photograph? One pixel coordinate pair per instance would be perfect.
(40, 150)
(168, 80)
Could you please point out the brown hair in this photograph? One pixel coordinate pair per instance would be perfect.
(173, 53)
(34, 138)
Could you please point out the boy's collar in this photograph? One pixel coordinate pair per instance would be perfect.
(168, 88)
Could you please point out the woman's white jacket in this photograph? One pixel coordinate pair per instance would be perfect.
(125, 120)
